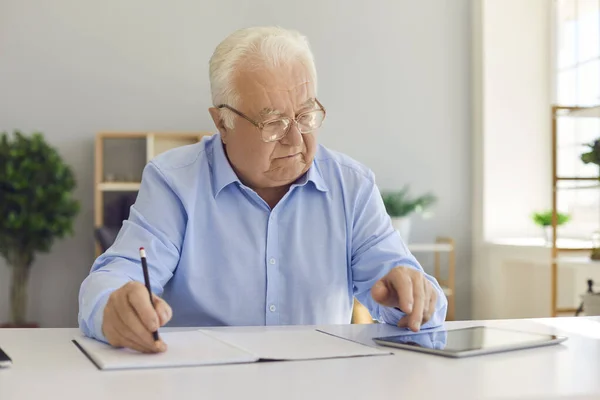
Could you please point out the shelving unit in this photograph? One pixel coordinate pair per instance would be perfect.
(442, 245)
(120, 158)
(577, 254)
(119, 186)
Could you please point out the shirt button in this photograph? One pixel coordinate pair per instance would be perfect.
(272, 261)
(272, 308)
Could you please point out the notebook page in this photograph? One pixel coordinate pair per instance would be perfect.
(301, 344)
(185, 348)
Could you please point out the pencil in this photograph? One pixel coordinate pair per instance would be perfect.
(147, 283)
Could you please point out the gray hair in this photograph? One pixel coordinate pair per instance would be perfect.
(255, 47)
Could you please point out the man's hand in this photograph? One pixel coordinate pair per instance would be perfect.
(408, 290)
(130, 319)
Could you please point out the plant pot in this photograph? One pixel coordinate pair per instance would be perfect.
(591, 304)
(402, 225)
(548, 235)
(24, 325)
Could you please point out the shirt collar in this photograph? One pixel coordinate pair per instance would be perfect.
(312, 175)
(221, 171)
(223, 175)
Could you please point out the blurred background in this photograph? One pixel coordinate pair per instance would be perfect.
(452, 104)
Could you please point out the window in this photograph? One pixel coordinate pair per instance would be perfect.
(577, 83)
(578, 52)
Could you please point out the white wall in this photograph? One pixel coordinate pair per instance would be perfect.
(517, 77)
(394, 76)
(512, 94)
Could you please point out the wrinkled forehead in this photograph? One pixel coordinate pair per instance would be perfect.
(285, 89)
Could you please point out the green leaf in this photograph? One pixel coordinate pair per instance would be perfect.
(400, 203)
(592, 156)
(544, 218)
(36, 194)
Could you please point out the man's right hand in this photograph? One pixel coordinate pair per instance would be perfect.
(129, 318)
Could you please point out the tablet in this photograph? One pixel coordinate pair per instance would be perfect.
(467, 342)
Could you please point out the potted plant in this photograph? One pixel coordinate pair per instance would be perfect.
(592, 156)
(544, 220)
(36, 207)
(400, 206)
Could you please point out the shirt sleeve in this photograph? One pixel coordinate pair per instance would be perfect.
(156, 222)
(376, 249)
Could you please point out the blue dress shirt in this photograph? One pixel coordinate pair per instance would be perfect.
(219, 255)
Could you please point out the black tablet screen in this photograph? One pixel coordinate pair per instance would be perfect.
(468, 339)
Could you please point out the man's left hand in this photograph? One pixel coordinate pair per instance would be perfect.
(408, 290)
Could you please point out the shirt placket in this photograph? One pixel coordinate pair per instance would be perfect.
(272, 316)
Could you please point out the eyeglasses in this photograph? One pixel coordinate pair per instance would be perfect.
(276, 129)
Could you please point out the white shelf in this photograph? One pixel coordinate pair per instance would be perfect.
(430, 247)
(582, 260)
(119, 186)
(562, 243)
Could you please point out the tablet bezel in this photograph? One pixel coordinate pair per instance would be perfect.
(551, 340)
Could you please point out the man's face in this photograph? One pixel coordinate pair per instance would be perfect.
(265, 96)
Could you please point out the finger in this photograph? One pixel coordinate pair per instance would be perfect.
(139, 300)
(419, 303)
(403, 323)
(124, 341)
(404, 290)
(426, 301)
(129, 318)
(163, 310)
(381, 294)
(432, 304)
(108, 318)
(107, 326)
(141, 338)
(109, 332)
(117, 340)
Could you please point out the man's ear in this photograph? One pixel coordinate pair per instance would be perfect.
(215, 113)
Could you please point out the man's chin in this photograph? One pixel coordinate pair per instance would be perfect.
(287, 176)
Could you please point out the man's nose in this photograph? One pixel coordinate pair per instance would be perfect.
(293, 137)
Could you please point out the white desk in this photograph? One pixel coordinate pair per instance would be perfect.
(48, 365)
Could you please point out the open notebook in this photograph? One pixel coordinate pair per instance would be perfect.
(204, 347)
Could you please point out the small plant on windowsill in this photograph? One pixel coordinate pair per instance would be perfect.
(592, 156)
(544, 220)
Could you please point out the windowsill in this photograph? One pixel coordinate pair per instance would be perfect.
(563, 243)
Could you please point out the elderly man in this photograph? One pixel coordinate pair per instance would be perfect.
(258, 224)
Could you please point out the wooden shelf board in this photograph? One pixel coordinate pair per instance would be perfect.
(583, 260)
(581, 178)
(566, 312)
(570, 244)
(175, 134)
(119, 186)
(122, 135)
(578, 112)
(562, 244)
(181, 135)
